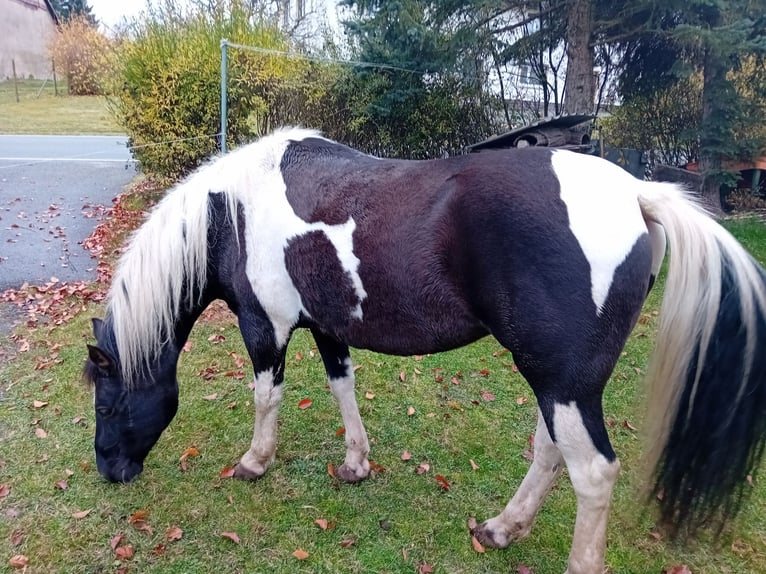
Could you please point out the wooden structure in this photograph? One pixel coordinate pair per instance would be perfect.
(565, 131)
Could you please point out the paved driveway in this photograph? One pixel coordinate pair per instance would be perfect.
(51, 191)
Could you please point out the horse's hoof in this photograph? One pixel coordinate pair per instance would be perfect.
(488, 537)
(347, 474)
(245, 474)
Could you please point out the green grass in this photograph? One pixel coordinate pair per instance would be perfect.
(275, 515)
(40, 111)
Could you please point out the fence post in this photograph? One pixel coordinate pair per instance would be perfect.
(55, 83)
(15, 81)
(224, 65)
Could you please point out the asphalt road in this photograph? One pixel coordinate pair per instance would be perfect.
(52, 193)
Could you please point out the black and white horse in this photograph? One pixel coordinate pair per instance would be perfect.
(551, 252)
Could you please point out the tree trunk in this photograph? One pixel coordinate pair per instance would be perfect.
(710, 160)
(580, 88)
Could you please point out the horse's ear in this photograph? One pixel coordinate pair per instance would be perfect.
(101, 358)
(98, 328)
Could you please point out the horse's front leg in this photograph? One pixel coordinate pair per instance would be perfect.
(269, 374)
(340, 375)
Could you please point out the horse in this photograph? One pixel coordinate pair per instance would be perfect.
(553, 253)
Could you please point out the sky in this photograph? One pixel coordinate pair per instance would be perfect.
(110, 12)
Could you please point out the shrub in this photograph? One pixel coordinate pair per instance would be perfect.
(170, 98)
(85, 55)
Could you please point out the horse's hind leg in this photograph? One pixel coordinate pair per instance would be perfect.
(593, 470)
(516, 520)
(340, 375)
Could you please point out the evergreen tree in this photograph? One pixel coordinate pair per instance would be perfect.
(67, 9)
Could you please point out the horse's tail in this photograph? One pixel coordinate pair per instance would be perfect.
(707, 378)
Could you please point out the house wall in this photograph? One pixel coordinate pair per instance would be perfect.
(26, 28)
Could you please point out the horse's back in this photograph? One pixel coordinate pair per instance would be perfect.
(530, 245)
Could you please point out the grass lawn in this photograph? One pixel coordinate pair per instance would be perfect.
(395, 522)
(40, 111)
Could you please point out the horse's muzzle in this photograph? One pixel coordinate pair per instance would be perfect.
(121, 471)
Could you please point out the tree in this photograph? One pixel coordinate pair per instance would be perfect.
(667, 41)
(427, 99)
(580, 87)
(68, 9)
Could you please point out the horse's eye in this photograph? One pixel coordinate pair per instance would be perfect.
(105, 411)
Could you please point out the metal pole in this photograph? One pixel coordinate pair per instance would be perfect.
(224, 65)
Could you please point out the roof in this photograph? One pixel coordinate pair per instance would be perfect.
(565, 121)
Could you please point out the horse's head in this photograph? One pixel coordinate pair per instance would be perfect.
(129, 419)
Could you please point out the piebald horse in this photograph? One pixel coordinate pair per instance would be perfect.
(551, 252)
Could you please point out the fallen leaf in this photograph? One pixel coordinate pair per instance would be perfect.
(348, 542)
(487, 396)
(301, 554)
(18, 537)
(231, 405)
(173, 533)
(69, 473)
(521, 400)
(477, 545)
(212, 397)
(298, 356)
(116, 540)
(303, 404)
(455, 405)
(425, 568)
(656, 535)
(158, 550)
(81, 514)
(321, 522)
(410, 411)
(231, 536)
(442, 481)
(680, 569)
(424, 467)
(227, 472)
(62, 484)
(78, 420)
(143, 526)
(484, 373)
(5, 490)
(331, 469)
(124, 552)
(523, 569)
(19, 561)
(340, 432)
(138, 515)
(749, 479)
(39, 404)
(474, 466)
(369, 396)
(402, 376)
(191, 451)
(40, 433)
(406, 455)
(627, 425)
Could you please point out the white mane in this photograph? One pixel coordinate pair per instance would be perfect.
(165, 264)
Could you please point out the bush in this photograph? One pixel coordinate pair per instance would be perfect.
(85, 55)
(170, 99)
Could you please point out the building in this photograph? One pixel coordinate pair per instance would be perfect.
(26, 29)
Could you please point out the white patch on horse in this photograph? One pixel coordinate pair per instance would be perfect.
(271, 223)
(356, 466)
(263, 447)
(604, 214)
(593, 477)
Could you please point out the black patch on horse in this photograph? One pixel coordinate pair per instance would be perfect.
(326, 289)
